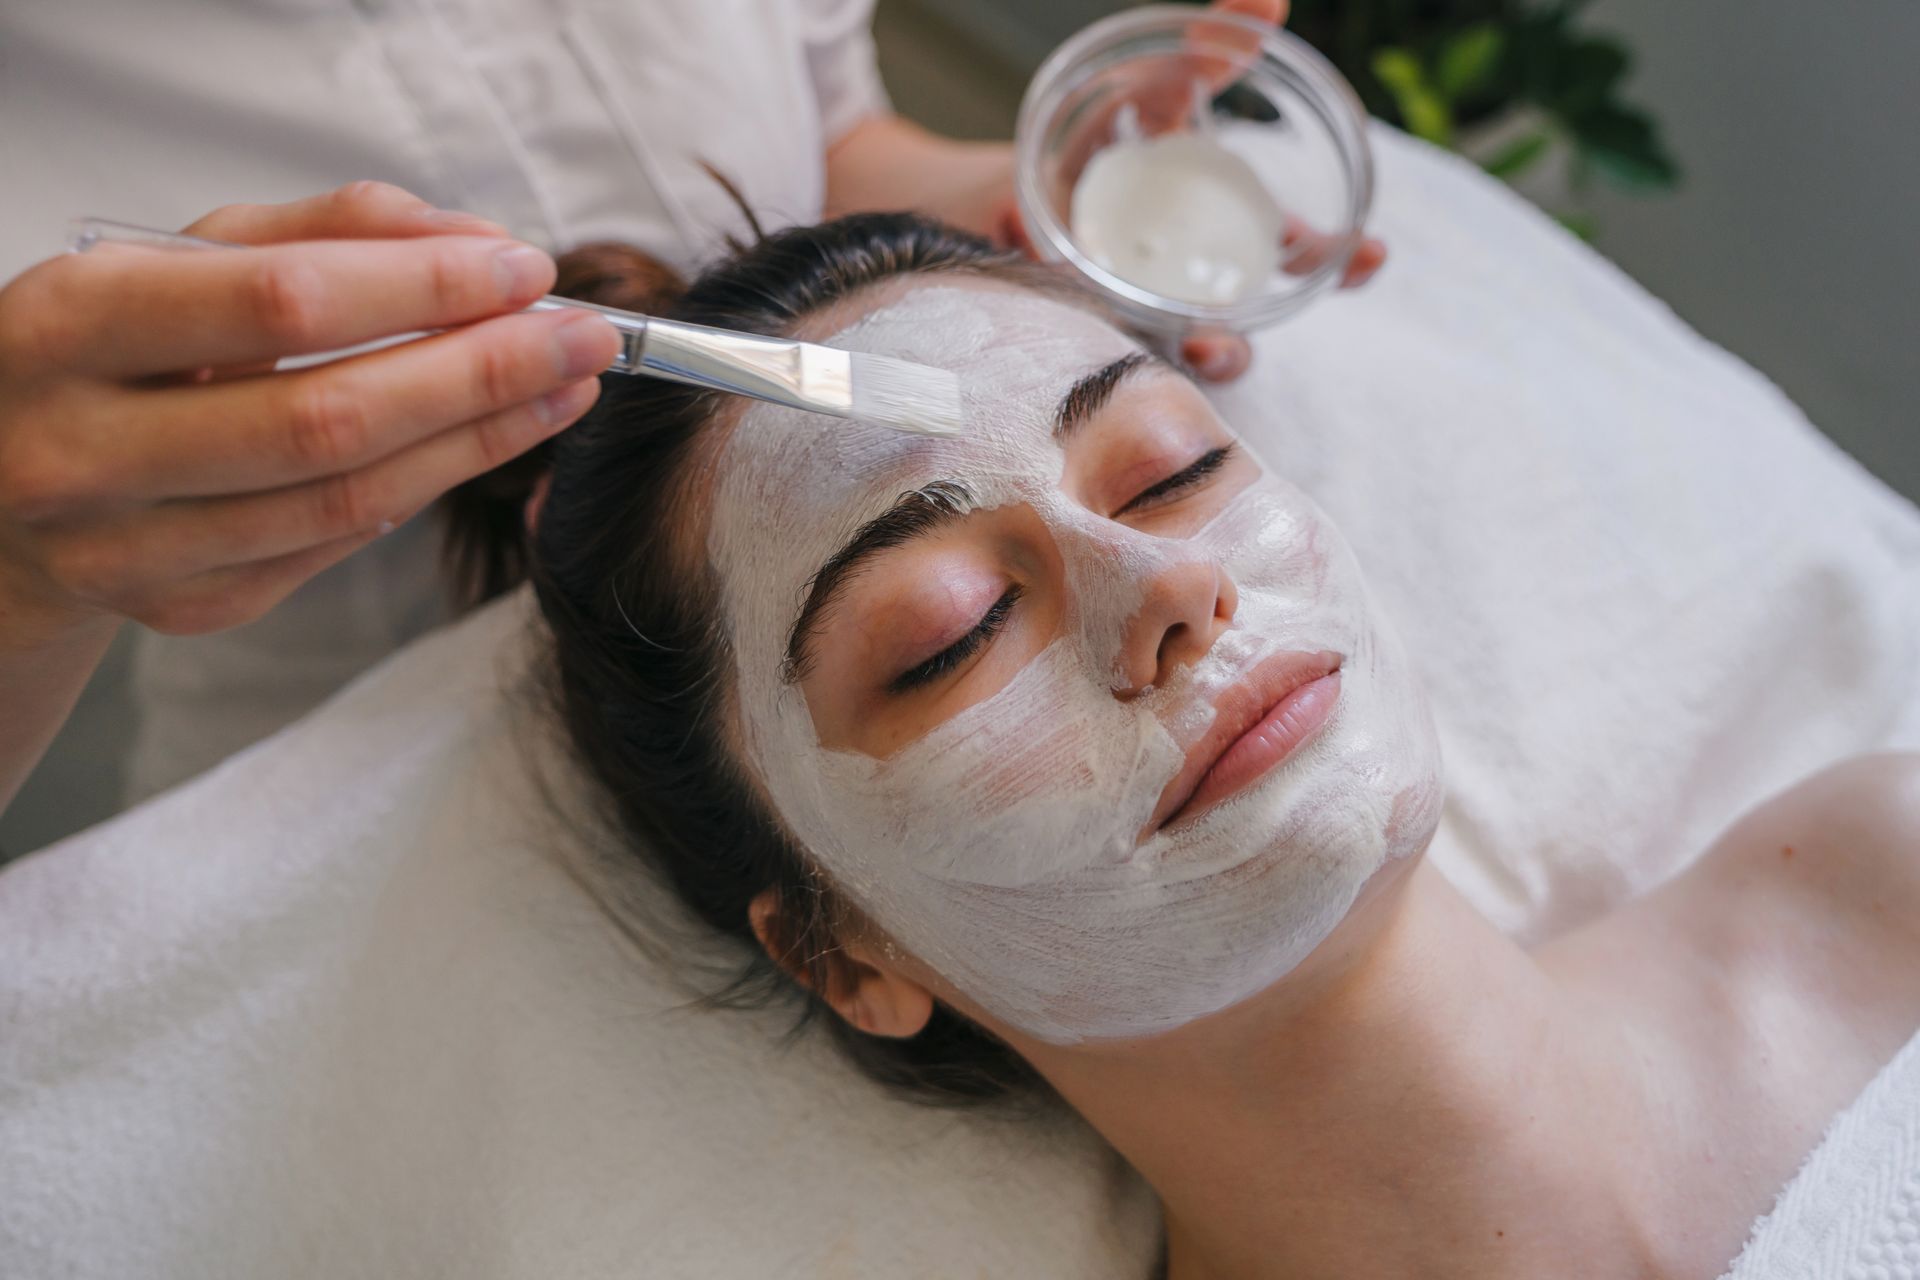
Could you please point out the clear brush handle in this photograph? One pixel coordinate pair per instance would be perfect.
(84, 233)
(632, 327)
(720, 359)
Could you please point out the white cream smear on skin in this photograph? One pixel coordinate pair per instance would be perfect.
(1179, 214)
(1002, 847)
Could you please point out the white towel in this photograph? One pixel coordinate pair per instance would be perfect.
(1853, 1210)
(334, 1010)
(1643, 591)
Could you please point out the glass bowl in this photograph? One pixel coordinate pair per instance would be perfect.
(1189, 81)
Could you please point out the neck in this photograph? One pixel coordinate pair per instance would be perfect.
(1421, 1097)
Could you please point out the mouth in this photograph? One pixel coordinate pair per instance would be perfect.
(1260, 721)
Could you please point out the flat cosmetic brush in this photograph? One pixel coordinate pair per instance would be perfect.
(855, 385)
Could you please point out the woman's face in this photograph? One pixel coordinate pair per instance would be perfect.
(1083, 708)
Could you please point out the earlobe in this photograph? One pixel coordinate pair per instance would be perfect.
(860, 986)
(886, 1004)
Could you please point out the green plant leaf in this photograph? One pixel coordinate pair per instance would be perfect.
(1423, 111)
(1539, 41)
(1468, 59)
(1637, 172)
(1625, 148)
(1589, 72)
(1518, 156)
(1581, 224)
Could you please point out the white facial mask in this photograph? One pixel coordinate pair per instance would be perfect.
(1001, 848)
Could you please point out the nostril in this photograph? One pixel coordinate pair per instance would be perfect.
(1226, 599)
(1172, 642)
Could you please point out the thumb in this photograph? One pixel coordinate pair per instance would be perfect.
(1215, 355)
(1010, 230)
(357, 211)
(1269, 11)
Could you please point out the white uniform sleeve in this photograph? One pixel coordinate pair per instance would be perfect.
(838, 35)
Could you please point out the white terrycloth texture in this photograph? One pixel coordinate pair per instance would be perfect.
(1643, 592)
(1853, 1210)
(332, 1011)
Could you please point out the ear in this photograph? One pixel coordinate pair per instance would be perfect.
(861, 985)
(530, 514)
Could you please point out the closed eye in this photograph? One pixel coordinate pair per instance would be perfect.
(955, 654)
(1202, 467)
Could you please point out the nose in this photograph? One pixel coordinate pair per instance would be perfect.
(1189, 602)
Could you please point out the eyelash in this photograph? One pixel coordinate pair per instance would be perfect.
(960, 650)
(950, 658)
(1205, 465)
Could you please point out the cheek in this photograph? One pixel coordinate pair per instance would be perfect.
(906, 613)
(1023, 786)
(1270, 537)
(900, 627)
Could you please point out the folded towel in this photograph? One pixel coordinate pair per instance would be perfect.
(337, 1009)
(1644, 593)
(1853, 1210)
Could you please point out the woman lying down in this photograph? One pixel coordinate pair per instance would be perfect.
(1065, 759)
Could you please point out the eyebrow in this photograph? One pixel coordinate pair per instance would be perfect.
(923, 510)
(912, 515)
(1086, 397)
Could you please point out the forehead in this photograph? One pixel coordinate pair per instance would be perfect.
(791, 487)
(1014, 352)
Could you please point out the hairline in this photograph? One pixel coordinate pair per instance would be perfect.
(829, 322)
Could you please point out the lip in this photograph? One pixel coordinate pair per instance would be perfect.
(1259, 721)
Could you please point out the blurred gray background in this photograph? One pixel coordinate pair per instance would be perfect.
(1789, 242)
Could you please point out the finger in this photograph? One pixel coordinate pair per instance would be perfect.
(1010, 231)
(1168, 96)
(233, 596)
(177, 540)
(1271, 12)
(359, 210)
(1366, 260)
(289, 427)
(132, 311)
(1306, 249)
(1220, 52)
(1215, 355)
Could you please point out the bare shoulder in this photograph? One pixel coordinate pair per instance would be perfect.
(1810, 905)
(1846, 838)
(1801, 927)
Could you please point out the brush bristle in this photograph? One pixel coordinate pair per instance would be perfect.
(907, 396)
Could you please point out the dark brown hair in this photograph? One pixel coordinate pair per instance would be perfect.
(641, 660)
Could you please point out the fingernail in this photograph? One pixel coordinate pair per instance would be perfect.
(521, 270)
(558, 408)
(454, 221)
(581, 345)
(1208, 359)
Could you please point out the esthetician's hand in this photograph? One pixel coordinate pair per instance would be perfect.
(1221, 356)
(888, 162)
(154, 466)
